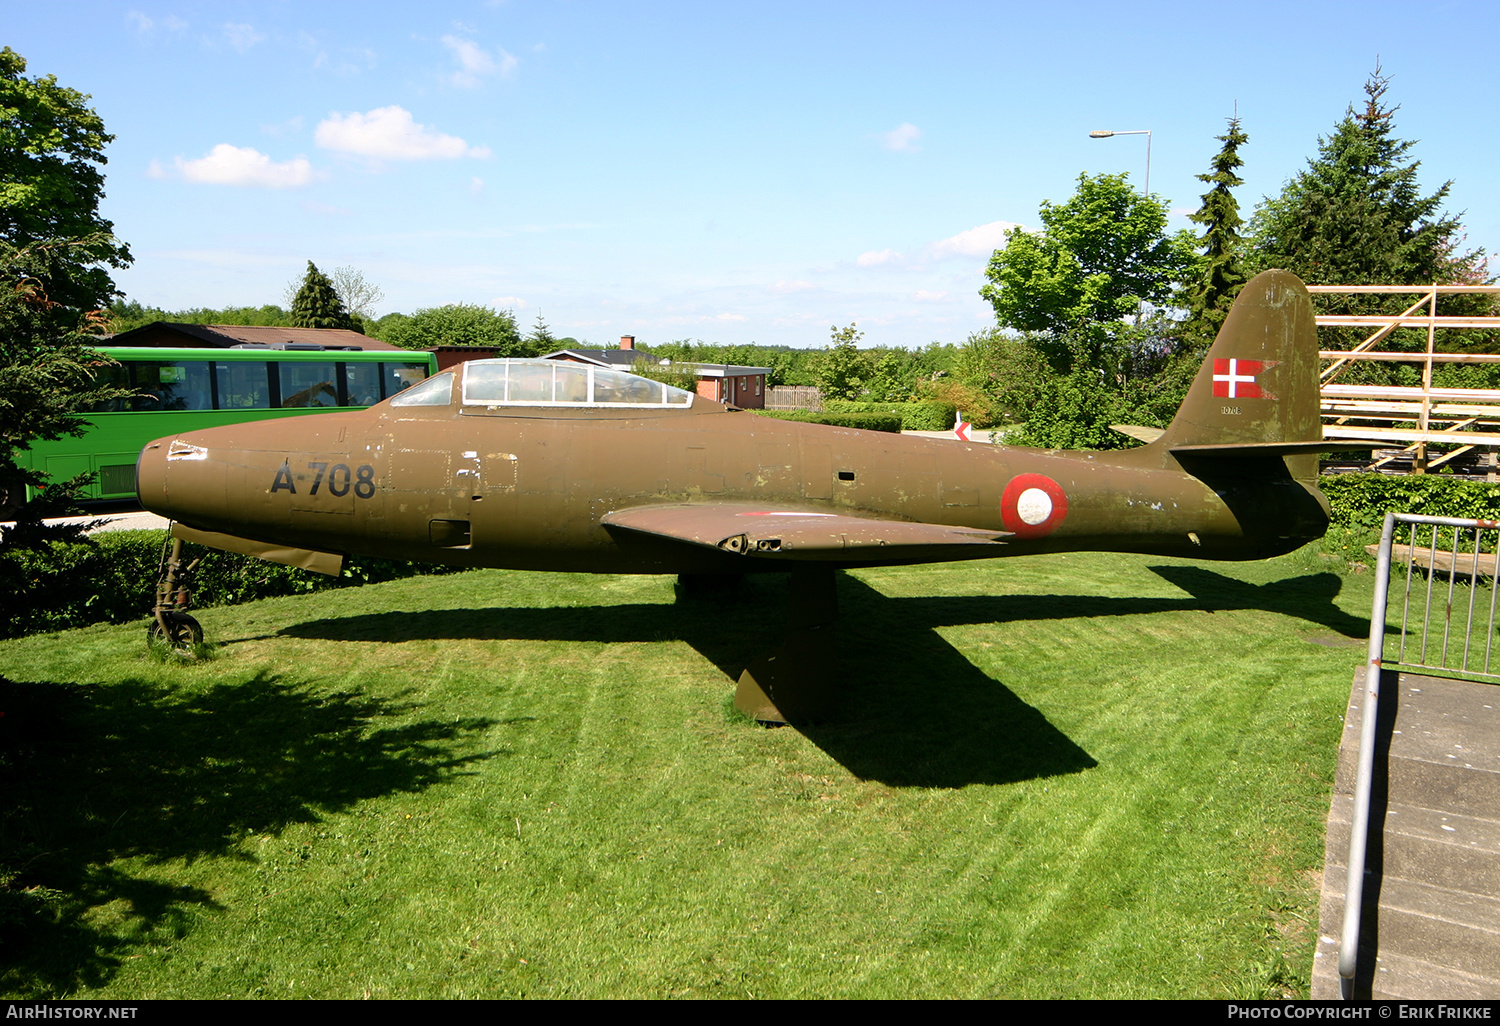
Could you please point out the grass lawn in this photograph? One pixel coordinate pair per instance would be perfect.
(1079, 776)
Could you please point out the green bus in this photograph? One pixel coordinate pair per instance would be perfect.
(184, 389)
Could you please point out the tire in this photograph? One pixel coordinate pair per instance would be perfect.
(181, 636)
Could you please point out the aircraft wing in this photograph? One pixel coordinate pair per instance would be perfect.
(788, 533)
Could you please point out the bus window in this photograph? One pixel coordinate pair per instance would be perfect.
(242, 386)
(112, 375)
(402, 375)
(308, 383)
(361, 384)
(171, 386)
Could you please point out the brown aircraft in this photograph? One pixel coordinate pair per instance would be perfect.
(545, 465)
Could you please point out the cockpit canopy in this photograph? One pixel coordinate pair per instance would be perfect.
(545, 383)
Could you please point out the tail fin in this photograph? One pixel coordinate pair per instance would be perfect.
(1257, 391)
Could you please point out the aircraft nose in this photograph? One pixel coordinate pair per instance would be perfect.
(151, 472)
(151, 475)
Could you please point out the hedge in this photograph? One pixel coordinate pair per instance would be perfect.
(868, 421)
(112, 578)
(1362, 500)
(923, 415)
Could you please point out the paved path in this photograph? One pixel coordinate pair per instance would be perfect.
(1432, 890)
(137, 521)
(975, 435)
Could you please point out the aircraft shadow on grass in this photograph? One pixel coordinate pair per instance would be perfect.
(914, 710)
(91, 775)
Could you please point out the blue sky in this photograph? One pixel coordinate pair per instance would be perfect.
(732, 173)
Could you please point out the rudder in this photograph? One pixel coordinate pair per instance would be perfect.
(1259, 383)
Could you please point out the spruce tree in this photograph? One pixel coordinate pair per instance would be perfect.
(317, 305)
(541, 340)
(1222, 269)
(1356, 216)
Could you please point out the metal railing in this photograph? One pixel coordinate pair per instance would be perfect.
(1467, 554)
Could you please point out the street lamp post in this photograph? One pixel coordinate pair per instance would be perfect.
(1106, 133)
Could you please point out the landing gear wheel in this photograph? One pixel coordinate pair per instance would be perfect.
(178, 633)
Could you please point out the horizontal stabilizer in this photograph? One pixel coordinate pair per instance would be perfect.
(1248, 449)
(785, 532)
(1140, 432)
(304, 559)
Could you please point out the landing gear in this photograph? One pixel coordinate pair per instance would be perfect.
(171, 628)
(177, 632)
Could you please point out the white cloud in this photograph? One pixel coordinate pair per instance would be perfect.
(235, 165)
(508, 303)
(792, 286)
(876, 257)
(241, 37)
(476, 186)
(291, 126)
(903, 138)
(924, 296)
(144, 25)
(475, 62)
(389, 133)
(981, 241)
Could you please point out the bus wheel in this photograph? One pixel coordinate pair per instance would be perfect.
(177, 633)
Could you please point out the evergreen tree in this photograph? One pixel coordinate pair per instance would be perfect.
(317, 304)
(541, 339)
(1222, 270)
(1356, 216)
(49, 378)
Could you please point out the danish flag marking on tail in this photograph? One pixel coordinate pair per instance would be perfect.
(1235, 379)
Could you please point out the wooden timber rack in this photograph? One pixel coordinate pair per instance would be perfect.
(1415, 418)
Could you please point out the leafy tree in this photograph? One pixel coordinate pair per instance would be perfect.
(893, 379)
(1100, 255)
(843, 370)
(1356, 216)
(358, 295)
(317, 305)
(124, 316)
(458, 324)
(1222, 270)
(51, 149)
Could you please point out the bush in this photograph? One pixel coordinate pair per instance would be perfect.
(867, 421)
(112, 577)
(921, 415)
(1363, 500)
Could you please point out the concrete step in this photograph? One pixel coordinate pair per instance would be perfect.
(1482, 833)
(1417, 924)
(1436, 931)
(1398, 977)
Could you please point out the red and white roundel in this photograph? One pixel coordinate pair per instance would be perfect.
(1033, 505)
